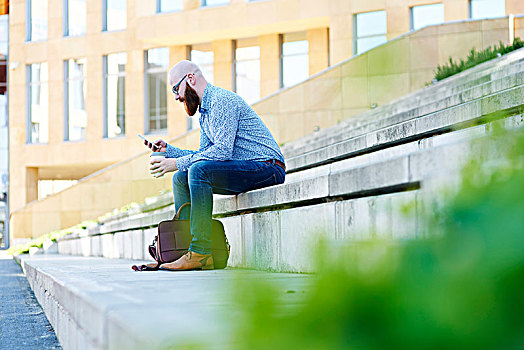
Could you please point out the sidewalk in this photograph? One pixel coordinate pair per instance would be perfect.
(99, 303)
(23, 324)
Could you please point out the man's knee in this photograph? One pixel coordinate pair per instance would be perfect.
(180, 178)
(198, 171)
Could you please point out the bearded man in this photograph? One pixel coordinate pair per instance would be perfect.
(237, 153)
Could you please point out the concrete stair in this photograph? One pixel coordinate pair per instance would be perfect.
(346, 182)
(351, 182)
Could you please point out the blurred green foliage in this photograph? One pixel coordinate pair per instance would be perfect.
(461, 290)
(476, 57)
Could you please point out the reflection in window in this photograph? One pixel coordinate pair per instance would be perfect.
(115, 93)
(247, 70)
(115, 15)
(75, 19)
(76, 88)
(37, 99)
(294, 59)
(370, 30)
(36, 21)
(203, 56)
(426, 15)
(169, 5)
(214, 2)
(479, 9)
(157, 61)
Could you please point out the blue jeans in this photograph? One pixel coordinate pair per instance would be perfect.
(204, 178)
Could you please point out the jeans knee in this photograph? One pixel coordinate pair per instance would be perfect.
(197, 171)
(180, 179)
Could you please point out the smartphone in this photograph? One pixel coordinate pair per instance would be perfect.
(154, 147)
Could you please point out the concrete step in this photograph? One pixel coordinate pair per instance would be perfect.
(96, 303)
(417, 123)
(504, 73)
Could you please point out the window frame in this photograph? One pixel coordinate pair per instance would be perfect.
(355, 31)
(105, 76)
(158, 8)
(67, 136)
(65, 21)
(412, 15)
(104, 19)
(281, 56)
(29, 103)
(147, 71)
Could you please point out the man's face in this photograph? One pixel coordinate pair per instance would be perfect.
(185, 94)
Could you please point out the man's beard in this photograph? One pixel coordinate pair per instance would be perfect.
(191, 100)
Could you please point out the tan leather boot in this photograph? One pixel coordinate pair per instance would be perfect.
(190, 261)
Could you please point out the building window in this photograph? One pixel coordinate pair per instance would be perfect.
(37, 103)
(294, 59)
(370, 30)
(214, 2)
(425, 15)
(114, 67)
(114, 15)
(169, 5)
(246, 70)
(75, 100)
(36, 20)
(74, 17)
(202, 55)
(480, 9)
(157, 61)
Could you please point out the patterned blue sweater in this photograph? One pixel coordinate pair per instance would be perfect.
(229, 130)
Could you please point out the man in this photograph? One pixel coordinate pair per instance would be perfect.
(237, 153)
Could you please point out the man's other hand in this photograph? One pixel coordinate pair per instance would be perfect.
(157, 146)
(161, 166)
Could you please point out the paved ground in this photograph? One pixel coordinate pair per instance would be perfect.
(23, 324)
(106, 305)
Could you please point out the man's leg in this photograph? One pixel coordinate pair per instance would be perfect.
(224, 177)
(181, 193)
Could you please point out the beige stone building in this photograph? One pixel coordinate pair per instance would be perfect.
(87, 76)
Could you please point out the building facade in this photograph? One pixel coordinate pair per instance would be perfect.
(87, 76)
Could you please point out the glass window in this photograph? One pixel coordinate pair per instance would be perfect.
(36, 20)
(157, 61)
(479, 9)
(37, 100)
(294, 59)
(426, 15)
(202, 55)
(370, 30)
(115, 15)
(247, 70)
(115, 94)
(169, 5)
(76, 89)
(214, 2)
(75, 18)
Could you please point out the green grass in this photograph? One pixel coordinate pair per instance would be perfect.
(474, 58)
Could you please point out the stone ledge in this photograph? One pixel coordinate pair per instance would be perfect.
(99, 303)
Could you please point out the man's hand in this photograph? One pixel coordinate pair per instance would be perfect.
(161, 166)
(157, 146)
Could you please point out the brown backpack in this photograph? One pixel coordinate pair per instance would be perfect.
(174, 237)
